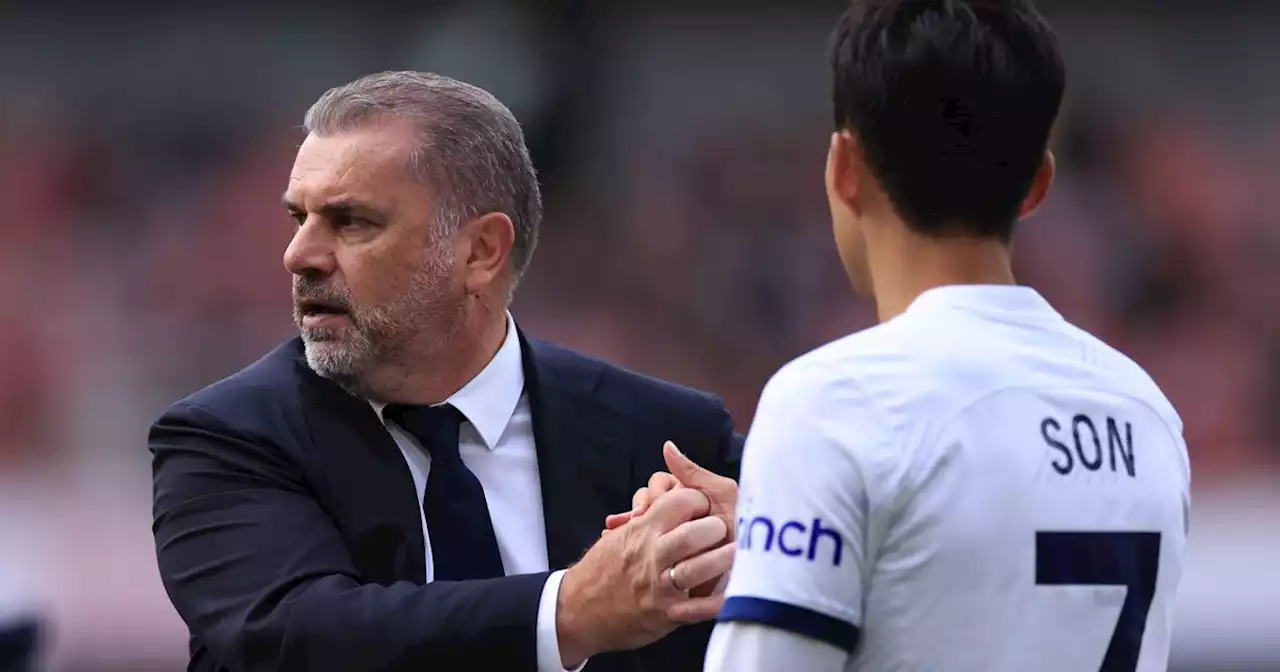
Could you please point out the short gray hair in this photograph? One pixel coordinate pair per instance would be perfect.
(470, 147)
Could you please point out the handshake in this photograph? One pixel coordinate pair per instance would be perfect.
(656, 567)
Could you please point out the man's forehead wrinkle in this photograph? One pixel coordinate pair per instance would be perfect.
(319, 200)
(341, 190)
(345, 175)
(363, 167)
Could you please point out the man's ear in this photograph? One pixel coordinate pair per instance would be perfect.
(844, 157)
(1039, 186)
(486, 249)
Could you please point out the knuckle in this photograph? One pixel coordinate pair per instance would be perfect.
(639, 585)
(696, 498)
(638, 588)
(688, 546)
(695, 575)
(677, 543)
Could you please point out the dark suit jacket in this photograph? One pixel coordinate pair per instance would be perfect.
(18, 645)
(288, 533)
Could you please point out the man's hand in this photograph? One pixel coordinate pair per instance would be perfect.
(621, 595)
(721, 492)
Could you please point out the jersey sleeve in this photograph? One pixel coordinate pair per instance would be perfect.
(751, 646)
(801, 564)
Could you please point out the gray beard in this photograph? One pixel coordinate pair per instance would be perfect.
(339, 365)
(418, 322)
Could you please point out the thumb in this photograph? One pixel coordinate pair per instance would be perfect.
(684, 469)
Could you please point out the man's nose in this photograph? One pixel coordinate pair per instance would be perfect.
(310, 253)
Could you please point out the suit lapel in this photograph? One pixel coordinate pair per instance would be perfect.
(583, 458)
(584, 465)
(368, 480)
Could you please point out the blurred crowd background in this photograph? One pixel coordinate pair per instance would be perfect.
(681, 146)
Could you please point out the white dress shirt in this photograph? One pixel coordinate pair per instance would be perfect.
(496, 444)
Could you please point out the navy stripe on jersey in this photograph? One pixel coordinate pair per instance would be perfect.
(789, 617)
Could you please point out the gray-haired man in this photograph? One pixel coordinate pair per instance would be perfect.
(403, 486)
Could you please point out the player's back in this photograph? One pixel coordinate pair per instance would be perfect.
(1037, 515)
(975, 485)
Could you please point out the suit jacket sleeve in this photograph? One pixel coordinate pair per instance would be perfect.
(725, 454)
(261, 575)
(731, 449)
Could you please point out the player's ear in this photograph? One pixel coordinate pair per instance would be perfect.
(843, 159)
(1039, 185)
(487, 241)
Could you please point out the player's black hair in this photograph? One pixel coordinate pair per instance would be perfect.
(953, 102)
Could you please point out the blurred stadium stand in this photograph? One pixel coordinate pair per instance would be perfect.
(142, 155)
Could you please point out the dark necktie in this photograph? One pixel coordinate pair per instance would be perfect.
(463, 545)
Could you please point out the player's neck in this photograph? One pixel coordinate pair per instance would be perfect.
(916, 264)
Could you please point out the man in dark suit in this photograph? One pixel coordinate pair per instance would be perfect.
(413, 484)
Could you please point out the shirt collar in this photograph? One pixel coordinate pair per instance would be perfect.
(985, 298)
(489, 400)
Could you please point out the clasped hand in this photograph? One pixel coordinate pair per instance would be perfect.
(721, 492)
(655, 568)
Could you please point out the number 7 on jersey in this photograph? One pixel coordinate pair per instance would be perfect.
(1129, 559)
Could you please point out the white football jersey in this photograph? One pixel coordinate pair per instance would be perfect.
(975, 485)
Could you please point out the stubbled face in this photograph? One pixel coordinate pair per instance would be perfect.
(375, 280)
